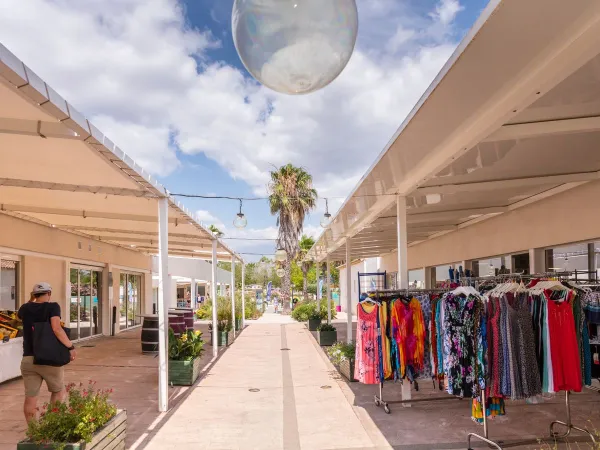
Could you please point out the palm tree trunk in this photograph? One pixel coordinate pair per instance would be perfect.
(286, 286)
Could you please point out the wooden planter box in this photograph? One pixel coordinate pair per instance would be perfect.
(111, 435)
(326, 338)
(184, 373)
(346, 368)
(313, 324)
(222, 338)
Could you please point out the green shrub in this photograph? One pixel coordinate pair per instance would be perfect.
(204, 311)
(325, 327)
(303, 311)
(186, 347)
(341, 351)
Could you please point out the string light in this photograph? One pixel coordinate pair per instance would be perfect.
(240, 220)
(326, 220)
(280, 272)
(280, 255)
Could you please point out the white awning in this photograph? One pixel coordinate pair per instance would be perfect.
(512, 118)
(58, 170)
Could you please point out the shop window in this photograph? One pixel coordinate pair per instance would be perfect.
(569, 258)
(9, 276)
(416, 279)
(494, 266)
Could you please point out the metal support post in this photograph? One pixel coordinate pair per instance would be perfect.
(568, 424)
(402, 234)
(328, 279)
(163, 300)
(213, 294)
(348, 291)
(232, 289)
(318, 275)
(243, 295)
(193, 293)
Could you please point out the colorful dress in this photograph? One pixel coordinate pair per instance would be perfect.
(367, 356)
(463, 366)
(408, 330)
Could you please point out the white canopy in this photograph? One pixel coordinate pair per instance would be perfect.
(59, 170)
(512, 118)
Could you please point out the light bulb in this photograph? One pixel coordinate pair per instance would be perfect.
(326, 220)
(280, 272)
(294, 46)
(280, 255)
(240, 221)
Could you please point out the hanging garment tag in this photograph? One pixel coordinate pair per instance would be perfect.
(596, 358)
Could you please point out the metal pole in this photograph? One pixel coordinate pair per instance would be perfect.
(328, 278)
(193, 293)
(213, 293)
(163, 301)
(232, 289)
(243, 296)
(403, 267)
(348, 292)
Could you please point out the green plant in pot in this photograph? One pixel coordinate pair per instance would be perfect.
(224, 322)
(314, 320)
(342, 355)
(184, 357)
(86, 420)
(326, 334)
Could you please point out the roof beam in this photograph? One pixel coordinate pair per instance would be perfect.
(82, 213)
(549, 127)
(32, 184)
(509, 183)
(152, 241)
(38, 128)
(455, 214)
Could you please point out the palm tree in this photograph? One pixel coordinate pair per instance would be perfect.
(291, 198)
(306, 243)
(218, 233)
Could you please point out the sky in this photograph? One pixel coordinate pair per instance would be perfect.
(162, 79)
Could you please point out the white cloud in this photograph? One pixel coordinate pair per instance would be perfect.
(141, 72)
(208, 219)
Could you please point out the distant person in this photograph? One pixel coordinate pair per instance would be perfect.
(276, 305)
(41, 309)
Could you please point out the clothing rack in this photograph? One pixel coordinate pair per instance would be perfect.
(565, 276)
(379, 401)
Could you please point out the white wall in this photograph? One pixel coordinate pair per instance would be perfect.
(357, 266)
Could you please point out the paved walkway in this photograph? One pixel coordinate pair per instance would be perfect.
(272, 389)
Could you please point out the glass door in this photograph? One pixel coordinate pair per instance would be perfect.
(130, 298)
(86, 304)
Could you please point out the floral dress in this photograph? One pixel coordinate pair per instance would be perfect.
(367, 356)
(464, 368)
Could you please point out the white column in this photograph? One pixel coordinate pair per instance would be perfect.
(328, 279)
(348, 292)
(194, 293)
(232, 289)
(317, 274)
(402, 266)
(243, 295)
(402, 242)
(163, 300)
(213, 294)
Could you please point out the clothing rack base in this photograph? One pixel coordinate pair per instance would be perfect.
(386, 405)
(568, 424)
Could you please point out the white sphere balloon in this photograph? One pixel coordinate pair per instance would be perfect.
(294, 46)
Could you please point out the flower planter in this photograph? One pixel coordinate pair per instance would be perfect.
(111, 435)
(338, 308)
(184, 373)
(326, 338)
(238, 324)
(346, 368)
(313, 324)
(222, 338)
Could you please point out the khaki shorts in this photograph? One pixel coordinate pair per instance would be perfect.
(34, 374)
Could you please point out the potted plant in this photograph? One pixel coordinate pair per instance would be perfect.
(314, 320)
(342, 356)
(184, 357)
(87, 420)
(326, 334)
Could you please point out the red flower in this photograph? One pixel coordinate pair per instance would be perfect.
(54, 410)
